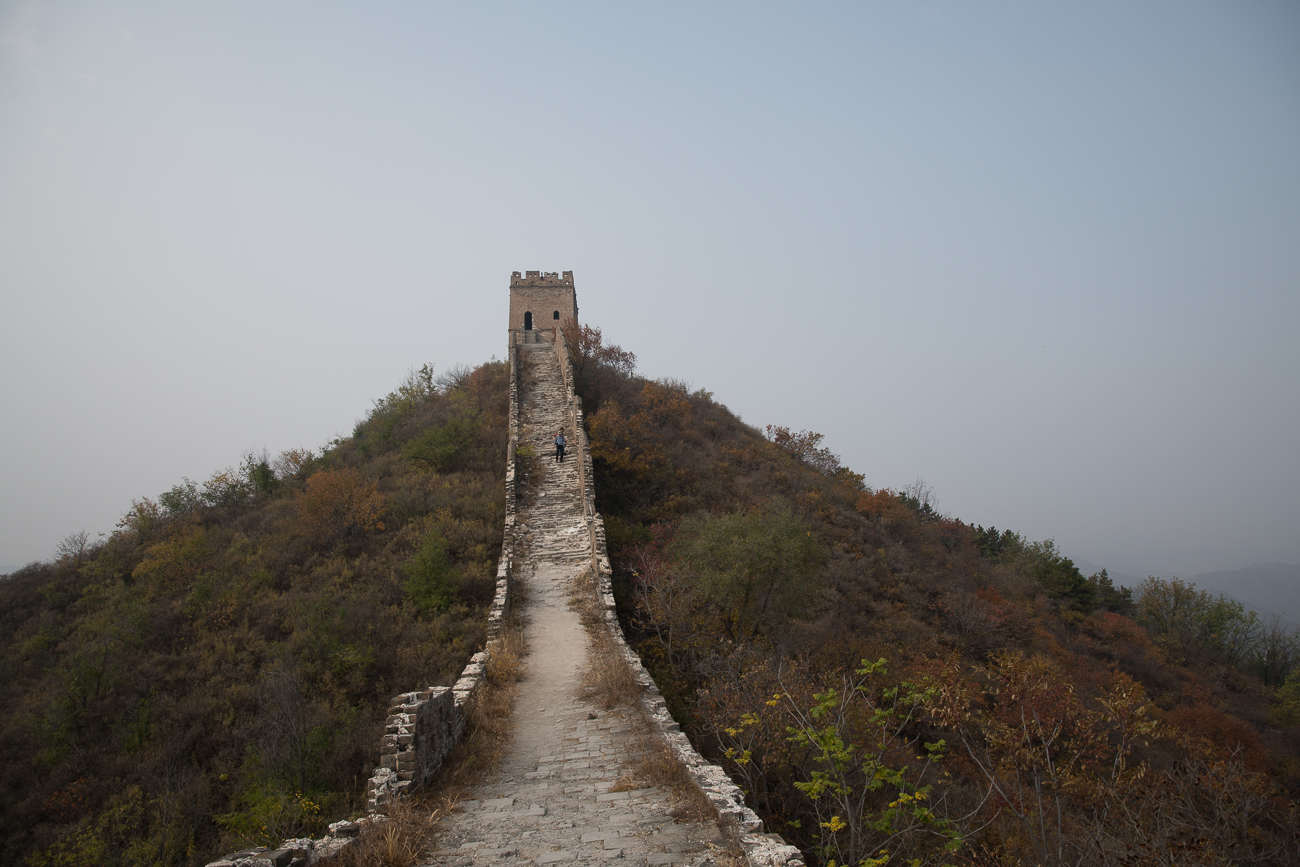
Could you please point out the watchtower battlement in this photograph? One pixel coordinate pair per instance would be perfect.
(541, 278)
(542, 300)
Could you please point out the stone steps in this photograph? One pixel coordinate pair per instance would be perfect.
(552, 509)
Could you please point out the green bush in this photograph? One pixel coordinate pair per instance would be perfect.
(441, 448)
(431, 579)
(754, 566)
(270, 815)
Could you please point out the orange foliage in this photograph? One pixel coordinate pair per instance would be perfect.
(1220, 735)
(339, 506)
(639, 443)
(888, 510)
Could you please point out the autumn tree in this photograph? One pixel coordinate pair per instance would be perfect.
(1189, 620)
(180, 499)
(1050, 759)
(1276, 652)
(596, 365)
(587, 346)
(338, 506)
(292, 463)
(867, 773)
(74, 548)
(805, 446)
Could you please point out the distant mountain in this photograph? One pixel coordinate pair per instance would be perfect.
(1266, 588)
(1270, 588)
(1087, 567)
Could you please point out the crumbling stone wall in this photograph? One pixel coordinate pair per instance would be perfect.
(423, 726)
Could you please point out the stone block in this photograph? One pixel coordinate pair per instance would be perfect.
(344, 829)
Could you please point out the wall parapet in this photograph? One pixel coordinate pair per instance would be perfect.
(541, 278)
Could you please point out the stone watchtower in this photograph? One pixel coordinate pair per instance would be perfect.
(542, 300)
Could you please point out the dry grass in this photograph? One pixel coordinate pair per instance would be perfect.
(608, 682)
(490, 723)
(657, 767)
(397, 842)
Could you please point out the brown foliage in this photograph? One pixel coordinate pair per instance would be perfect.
(339, 506)
(1044, 674)
(210, 662)
(173, 564)
(1220, 736)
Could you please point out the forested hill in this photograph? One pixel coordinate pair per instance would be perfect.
(217, 673)
(887, 682)
(890, 683)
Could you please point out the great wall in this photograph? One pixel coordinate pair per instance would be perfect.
(560, 795)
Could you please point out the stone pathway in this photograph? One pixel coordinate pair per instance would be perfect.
(564, 791)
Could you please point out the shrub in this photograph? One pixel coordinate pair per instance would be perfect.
(442, 447)
(339, 506)
(431, 576)
(751, 565)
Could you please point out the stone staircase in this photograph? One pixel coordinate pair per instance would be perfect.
(554, 527)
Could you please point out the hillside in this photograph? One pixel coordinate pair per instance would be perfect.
(888, 683)
(891, 683)
(217, 672)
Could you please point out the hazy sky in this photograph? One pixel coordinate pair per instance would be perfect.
(1045, 256)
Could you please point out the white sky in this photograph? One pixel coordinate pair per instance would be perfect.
(1045, 256)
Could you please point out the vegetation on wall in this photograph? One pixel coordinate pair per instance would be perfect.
(892, 685)
(217, 672)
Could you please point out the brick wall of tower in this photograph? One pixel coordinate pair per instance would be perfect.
(543, 294)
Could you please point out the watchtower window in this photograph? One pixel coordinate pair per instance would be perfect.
(555, 315)
(528, 321)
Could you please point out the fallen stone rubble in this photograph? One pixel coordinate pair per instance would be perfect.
(301, 852)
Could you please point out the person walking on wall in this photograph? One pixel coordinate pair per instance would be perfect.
(559, 446)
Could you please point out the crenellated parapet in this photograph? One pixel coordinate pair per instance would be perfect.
(541, 278)
(542, 300)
